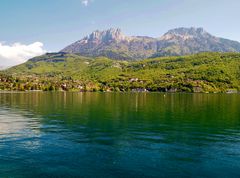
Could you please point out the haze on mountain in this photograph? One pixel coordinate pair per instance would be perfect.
(114, 44)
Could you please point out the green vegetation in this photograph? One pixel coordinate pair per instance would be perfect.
(203, 72)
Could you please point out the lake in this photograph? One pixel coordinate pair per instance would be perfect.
(138, 135)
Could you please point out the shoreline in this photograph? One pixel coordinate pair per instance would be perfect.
(41, 91)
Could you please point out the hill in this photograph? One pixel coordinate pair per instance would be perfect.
(114, 44)
(203, 72)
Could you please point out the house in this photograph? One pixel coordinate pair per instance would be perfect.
(133, 80)
(229, 91)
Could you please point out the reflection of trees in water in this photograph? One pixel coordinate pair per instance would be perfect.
(122, 113)
(126, 108)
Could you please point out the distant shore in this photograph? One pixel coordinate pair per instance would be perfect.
(74, 91)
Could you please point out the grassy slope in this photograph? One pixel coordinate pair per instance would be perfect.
(209, 71)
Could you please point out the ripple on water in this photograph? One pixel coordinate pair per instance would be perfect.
(98, 135)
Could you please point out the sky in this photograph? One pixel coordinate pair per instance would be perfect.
(30, 28)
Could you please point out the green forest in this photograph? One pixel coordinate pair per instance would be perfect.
(204, 72)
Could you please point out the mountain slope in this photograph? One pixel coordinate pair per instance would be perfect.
(114, 44)
(204, 72)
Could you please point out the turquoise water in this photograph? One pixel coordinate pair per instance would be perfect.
(119, 135)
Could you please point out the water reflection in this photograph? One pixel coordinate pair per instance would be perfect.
(17, 124)
(125, 134)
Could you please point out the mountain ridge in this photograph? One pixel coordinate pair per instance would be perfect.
(112, 43)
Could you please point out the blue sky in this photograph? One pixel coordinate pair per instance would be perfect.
(57, 23)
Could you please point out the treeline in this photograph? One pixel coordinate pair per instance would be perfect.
(205, 72)
(171, 84)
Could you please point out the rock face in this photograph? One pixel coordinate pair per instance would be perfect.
(114, 44)
(183, 41)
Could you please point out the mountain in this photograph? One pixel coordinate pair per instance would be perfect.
(114, 44)
(182, 41)
(90, 64)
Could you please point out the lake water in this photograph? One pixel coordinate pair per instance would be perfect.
(119, 135)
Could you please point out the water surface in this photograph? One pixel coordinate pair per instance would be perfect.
(119, 135)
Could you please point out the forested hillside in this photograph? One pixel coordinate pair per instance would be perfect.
(204, 72)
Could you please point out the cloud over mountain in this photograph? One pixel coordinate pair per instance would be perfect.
(18, 53)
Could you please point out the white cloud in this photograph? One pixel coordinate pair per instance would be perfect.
(18, 53)
(86, 2)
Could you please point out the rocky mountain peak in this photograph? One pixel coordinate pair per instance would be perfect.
(185, 33)
(106, 36)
